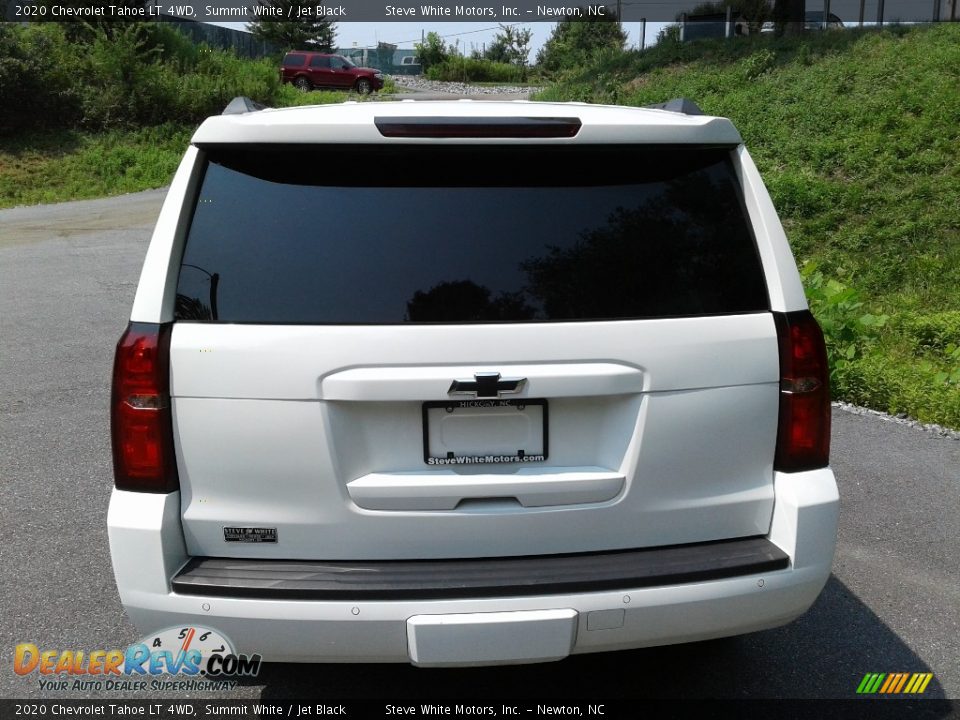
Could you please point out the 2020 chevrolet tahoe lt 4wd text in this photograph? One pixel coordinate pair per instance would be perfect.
(466, 383)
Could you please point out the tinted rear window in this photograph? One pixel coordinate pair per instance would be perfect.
(294, 60)
(483, 234)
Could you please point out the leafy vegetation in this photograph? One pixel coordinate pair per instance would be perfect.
(755, 12)
(432, 51)
(575, 39)
(47, 166)
(124, 77)
(58, 165)
(90, 111)
(277, 25)
(466, 69)
(505, 61)
(511, 45)
(857, 135)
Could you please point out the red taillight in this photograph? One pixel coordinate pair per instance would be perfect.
(140, 421)
(478, 127)
(803, 436)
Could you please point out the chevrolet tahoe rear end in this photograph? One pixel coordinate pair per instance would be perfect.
(469, 383)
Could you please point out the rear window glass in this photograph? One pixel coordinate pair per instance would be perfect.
(385, 235)
(294, 60)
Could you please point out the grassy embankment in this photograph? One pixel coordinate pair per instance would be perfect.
(857, 135)
(57, 165)
(51, 166)
(86, 115)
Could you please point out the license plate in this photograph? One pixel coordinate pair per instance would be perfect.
(491, 637)
(484, 432)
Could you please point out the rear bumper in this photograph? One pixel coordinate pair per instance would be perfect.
(148, 553)
(477, 578)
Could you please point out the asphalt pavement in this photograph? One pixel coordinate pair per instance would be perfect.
(67, 278)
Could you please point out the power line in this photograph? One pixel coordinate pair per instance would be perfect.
(467, 32)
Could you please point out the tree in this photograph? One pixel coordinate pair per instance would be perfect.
(496, 51)
(578, 35)
(85, 29)
(285, 28)
(385, 52)
(669, 35)
(431, 51)
(754, 12)
(789, 16)
(510, 45)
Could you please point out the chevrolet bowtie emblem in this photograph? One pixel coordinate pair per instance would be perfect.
(487, 385)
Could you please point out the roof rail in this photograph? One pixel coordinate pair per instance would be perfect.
(678, 105)
(240, 105)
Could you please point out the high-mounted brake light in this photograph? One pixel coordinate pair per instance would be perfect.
(140, 421)
(803, 436)
(478, 127)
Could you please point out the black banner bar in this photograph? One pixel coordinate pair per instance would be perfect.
(601, 709)
(422, 11)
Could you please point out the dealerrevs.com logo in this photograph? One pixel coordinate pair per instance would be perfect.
(198, 657)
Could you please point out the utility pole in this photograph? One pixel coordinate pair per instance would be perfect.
(826, 14)
(643, 33)
(862, 3)
(880, 13)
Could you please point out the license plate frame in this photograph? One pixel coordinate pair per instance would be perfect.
(474, 458)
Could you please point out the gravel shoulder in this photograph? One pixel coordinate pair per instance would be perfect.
(419, 88)
(901, 419)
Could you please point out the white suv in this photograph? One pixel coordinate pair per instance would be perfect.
(461, 383)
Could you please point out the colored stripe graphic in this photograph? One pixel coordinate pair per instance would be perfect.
(891, 681)
(870, 683)
(918, 683)
(899, 686)
(894, 683)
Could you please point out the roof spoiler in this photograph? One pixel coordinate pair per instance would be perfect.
(677, 105)
(241, 105)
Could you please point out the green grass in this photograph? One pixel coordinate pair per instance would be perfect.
(289, 96)
(531, 83)
(50, 166)
(54, 166)
(473, 70)
(857, 135)
(120, 118)
(58, 165)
